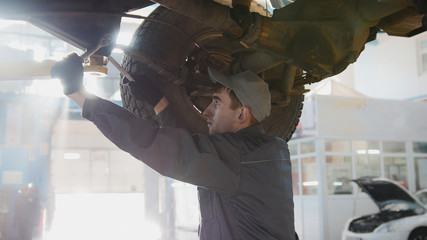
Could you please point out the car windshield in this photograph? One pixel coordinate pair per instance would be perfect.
(422, 196)
(400, 205)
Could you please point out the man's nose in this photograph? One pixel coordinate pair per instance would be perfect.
(207, 112)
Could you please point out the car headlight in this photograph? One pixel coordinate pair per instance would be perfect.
(389, 226)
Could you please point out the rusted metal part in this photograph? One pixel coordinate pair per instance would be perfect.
(284, 85)
(288, 79)
(255, 6)
(255, 61)
(208, 12)
(324, 37)
(326, 48)
(321, 37)
(373, 11)
(307, 78)
(246, 3)
(259, 62)
(402, 23)
(252, 36)
(299, 91)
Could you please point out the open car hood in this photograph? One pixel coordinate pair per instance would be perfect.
(389, 195)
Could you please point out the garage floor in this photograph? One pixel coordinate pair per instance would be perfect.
(107, 217)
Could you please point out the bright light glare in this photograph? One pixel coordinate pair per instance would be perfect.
(337, 184)
(92, 85)
(8, 23)
(361, 151)
(124, 38)
(141, 12)
(117, 96)
(310, 183)
(265, 4)
(48, 88)
(39, 52)
(373, 151)
(369, 151)
(129, 25)
(72, 156)
(101, 216)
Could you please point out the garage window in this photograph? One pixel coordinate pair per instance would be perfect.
(295, 177)
(293, 149)
(366, 147)
(394, 147)
(307, 147)
(337, 146)
(421, 172)
(420, 147)
(309, 176)
(395, 169)
(422, 51)
(339, 175)
(368, 166)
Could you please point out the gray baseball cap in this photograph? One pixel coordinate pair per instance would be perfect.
(250, 89)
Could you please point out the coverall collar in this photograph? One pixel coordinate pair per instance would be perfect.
(256, 128)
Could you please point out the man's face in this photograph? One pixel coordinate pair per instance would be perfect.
(220, 116)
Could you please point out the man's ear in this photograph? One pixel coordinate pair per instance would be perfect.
(244, 115)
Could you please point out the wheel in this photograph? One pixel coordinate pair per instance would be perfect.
(420, 234)
(177, 49)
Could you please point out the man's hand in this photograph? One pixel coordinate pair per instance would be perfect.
(70, 71)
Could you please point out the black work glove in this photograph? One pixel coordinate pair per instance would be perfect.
(70, 71)
(143, 89)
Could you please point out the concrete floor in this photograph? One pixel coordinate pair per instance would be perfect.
(107, 217)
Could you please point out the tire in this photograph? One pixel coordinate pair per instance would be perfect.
(177, 49)
(419, 234)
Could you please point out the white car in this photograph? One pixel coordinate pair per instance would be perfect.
(401, 216)
(422, 196)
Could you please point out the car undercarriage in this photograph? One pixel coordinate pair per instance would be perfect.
(300, 43)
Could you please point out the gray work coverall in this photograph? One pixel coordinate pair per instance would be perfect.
(244, 179)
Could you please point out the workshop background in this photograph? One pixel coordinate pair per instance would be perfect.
(369, 120)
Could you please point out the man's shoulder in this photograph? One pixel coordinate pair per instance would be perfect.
(253, 136)
(260, 135)
(261, 142)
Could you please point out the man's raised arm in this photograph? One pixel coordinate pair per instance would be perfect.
(70, 72)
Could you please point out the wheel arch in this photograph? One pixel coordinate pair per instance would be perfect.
(417, 229)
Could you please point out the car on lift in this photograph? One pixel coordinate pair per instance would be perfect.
(401, 217)
(301, 42)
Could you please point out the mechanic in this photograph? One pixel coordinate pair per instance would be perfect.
(243, 175)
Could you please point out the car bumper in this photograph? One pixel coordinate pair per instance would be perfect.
(374, 236)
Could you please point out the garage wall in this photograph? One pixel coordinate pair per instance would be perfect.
(368, 118)
(83, 160)
(391, 68)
